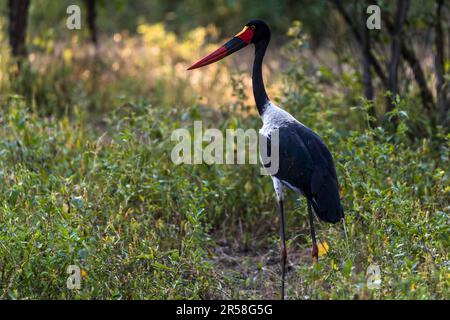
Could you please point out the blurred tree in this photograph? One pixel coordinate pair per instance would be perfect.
(367, 76)
(400, 17)
(439, 56)
(413, 61)
(18, 16)
(384, 54)
(91, 16)
(359, 39)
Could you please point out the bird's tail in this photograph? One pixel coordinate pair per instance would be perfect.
(327, 205)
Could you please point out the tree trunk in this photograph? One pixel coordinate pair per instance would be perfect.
(441, 89)
(373, 60)
(419, 75)
(367, 76)
(18, 16)
(91, 17)
(402, 7)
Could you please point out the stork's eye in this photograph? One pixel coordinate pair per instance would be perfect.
(252, 27)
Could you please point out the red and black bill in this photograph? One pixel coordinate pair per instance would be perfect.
(239, 41)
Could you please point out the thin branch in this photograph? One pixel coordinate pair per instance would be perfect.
(367, 76)
(18, 16)
(400, 16)
(414, 63)
(91, 17)
(373, 61)
(439, 65)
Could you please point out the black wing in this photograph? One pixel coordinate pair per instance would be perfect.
(306, 163)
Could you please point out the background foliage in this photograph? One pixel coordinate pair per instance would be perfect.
(86, 176)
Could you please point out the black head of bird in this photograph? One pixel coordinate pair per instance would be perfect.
(305, 164)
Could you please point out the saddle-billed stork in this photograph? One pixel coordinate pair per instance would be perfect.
(305, 163)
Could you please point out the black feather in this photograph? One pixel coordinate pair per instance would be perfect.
(307, 165)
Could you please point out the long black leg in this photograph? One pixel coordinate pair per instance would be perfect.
(315, 250)
(283, 254)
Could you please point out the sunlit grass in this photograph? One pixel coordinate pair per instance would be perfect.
(151, 64)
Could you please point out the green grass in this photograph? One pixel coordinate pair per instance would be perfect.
(109, 200)
(95, 187)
